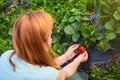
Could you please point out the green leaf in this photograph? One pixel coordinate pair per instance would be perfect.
(107, 11)
(109, 25)
(71, 19)
(104, 4)
(118, 30)
(54, 39)
(75, 37)
(64, 19)
(69, 30)
(55, 47)
(74, 10)
(86, 43)
(76, 25)
(119, 9)
(85, 33)
(110, 35)
(103, 45)
(66, 16)
(85, 18)
(78, 18)
(77, 13)
(92, 33)
(116, 15)
(100, 36)
(64, 47)
(10, 31)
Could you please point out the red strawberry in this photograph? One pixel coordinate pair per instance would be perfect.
(81, 49)
(53, 29)
(7, 14)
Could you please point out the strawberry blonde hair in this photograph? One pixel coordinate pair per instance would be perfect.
(30, 35)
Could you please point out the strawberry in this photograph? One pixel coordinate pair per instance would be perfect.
(7, 14)
(81, 49)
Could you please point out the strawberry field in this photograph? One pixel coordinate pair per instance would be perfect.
(92, 23)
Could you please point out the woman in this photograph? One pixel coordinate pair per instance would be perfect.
(32, 57)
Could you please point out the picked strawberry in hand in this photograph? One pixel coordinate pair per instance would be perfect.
(81, 49)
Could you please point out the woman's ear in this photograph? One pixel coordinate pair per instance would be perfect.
(49, 41)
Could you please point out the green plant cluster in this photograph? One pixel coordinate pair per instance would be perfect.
(92, 23)
(109, 17)
(111, 73)
(8, 14)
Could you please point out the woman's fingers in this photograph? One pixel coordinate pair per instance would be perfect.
(83, 57)
(73, 47)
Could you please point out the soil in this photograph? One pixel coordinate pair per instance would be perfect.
(100, 58)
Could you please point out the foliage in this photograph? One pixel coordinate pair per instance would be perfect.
(60, 49)
(106, 74)
(4, 46)
(7, 18)
(92, 23)
(89, 24)
(108, 11)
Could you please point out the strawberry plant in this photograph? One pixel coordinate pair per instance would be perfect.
(111, 73)
(92, 23)
(88, 23)
(7, 18)
(4, 46)
(108, 21)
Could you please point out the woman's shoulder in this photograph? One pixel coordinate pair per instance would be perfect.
(24, 69)
(43, 72)
(6, 54)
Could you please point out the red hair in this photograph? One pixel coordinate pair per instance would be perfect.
(30, 35)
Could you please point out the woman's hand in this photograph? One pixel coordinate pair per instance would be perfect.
(72, 67)
(69, 54)
(82, 57)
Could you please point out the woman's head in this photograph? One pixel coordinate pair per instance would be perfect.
(32, 38)
(34, 27)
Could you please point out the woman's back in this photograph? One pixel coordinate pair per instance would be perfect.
(33, 58)
(24, 71)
